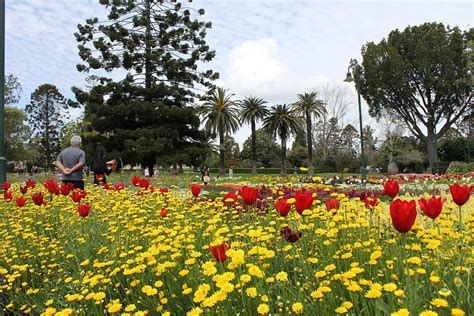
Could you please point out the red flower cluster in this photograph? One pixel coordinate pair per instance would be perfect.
(66, 188)
(7, 196)
(20, 201)
(37, 198)
(77, 195)
(230, 198)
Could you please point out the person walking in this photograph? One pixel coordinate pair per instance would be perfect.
(71, 161)
(99, 165)
(205, 175)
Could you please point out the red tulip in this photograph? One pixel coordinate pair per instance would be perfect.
(8, 196)
(432, 208)
(163, 212)
(76, 196)
(30, 183)
(403, 214)
(144, 183)
(290, 236)
(52, 186)
(283, 207)
(371, 201)
(20, 201)
(23, 189)
(460, 193)
(304, 201)
(135, 181)
(106, 186)
(219, 252)
(66, 188)
(6, 186)
(249, 195)
(195, 189)
(118, 186)
(332, 204)
(84, 209)
(37, 198)
(99, 177)
(230, 198)
(391, 188)
(164, 190)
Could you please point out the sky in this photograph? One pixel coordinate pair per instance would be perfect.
(271, 49)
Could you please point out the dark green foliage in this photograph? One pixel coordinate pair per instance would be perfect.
(46, 120)
(458, 149)
(422, 75)
(148, 116)
(17, 134)
(267, 151)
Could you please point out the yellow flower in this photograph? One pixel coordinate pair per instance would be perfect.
(373, 293)
(282, 276)
(457, 312)
(99, 296)
(251, 292)
(317, 294)
(439, 302)
(399, 293)
(428, 313)
(390, 287)
(194, 312)
(245, 278)
(263, 309)
(265, 298)
(341, 310)
(434, 278)
(114, 308)
(297, 308)
(130, 308)
(401, 312)
(64, 312)
(347, 304)
(148, 290)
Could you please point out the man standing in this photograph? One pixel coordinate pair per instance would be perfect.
(71, 161)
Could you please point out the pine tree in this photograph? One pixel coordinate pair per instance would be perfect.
(46, 120)
(147, 116)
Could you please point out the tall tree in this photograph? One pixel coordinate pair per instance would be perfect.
(155, 46)
(46, 120)
(267, 149)
(221, 117)
(13, 90)
(282, 121)
(308, 105)
(252, 110)
(17, 134)
(421, 74)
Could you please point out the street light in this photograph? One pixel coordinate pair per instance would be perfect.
(350, 77)
(3, 160)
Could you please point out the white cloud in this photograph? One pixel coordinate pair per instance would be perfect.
(256, 68)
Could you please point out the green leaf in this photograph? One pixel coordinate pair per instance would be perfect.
(380, 305)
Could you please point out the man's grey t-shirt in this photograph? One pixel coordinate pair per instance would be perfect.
(70, 157)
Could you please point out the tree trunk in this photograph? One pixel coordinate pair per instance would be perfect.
(431, 150)
(221, 153)
(180, 167)
(309, 142)
(283, 168)
(430, 145)
(254, 148)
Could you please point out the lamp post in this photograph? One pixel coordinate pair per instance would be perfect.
(355, 76)
(3, 160)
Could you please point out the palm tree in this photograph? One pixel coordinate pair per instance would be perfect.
(306, 106)
(220, 116)
(251, 110)
(282, 121)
